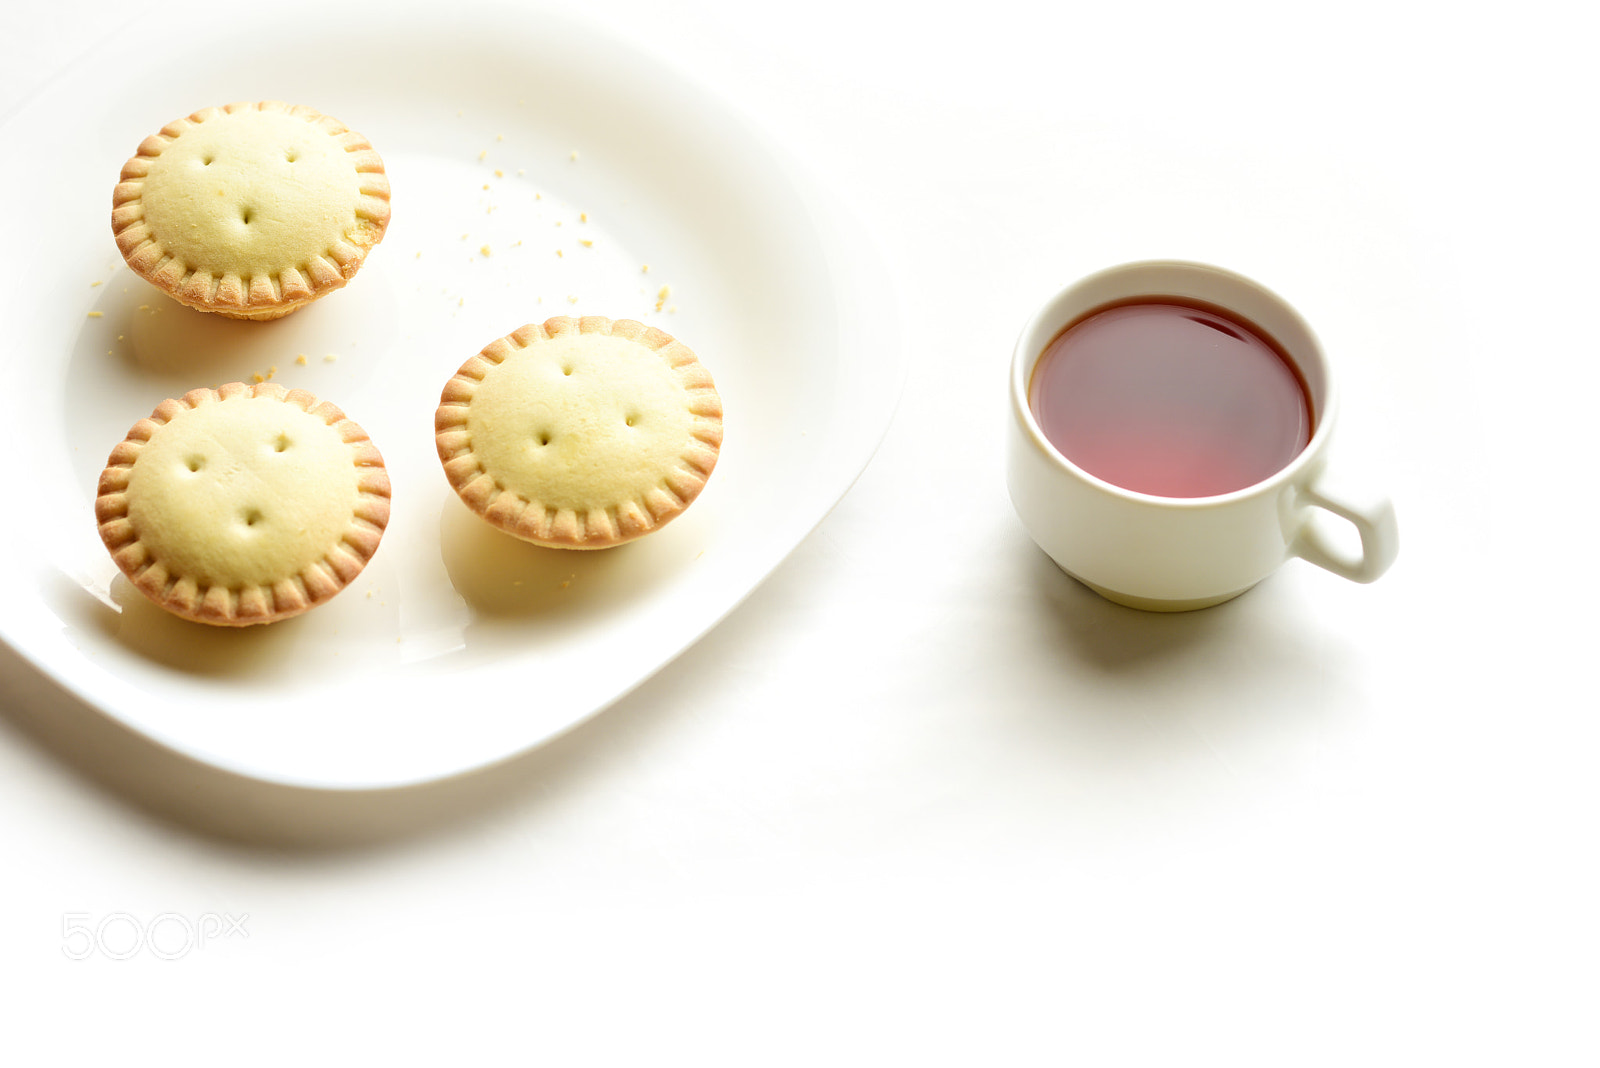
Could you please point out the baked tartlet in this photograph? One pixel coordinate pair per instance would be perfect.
(251, 210)
(580, 433)
(243, 504)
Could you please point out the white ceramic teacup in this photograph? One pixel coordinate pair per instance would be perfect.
(1179, 553)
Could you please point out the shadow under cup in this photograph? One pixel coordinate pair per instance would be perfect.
(1174, 553)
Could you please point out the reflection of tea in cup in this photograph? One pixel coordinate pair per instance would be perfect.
(1170, 398)
(1169, 434)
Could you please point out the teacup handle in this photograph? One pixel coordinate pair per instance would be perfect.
(1373, 519)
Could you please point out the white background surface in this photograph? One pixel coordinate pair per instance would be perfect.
(922, 799)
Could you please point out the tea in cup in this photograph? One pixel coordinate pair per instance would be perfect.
(1169, 435)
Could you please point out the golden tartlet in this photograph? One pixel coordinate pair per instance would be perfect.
(580, 433)
(243, 504)
(251, 210)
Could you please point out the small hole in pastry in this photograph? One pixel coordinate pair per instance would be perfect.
(205, 161)
(282, 444)
(631, 419)
(195, 463)
(566, 370)
(544, 438)
(248, 212)
(252, 516)
(291, 155)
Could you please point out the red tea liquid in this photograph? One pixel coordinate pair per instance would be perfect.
(1170, 399)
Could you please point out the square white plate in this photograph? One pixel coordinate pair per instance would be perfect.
(511, 139)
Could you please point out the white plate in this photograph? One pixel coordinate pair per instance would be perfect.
(458, 646)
